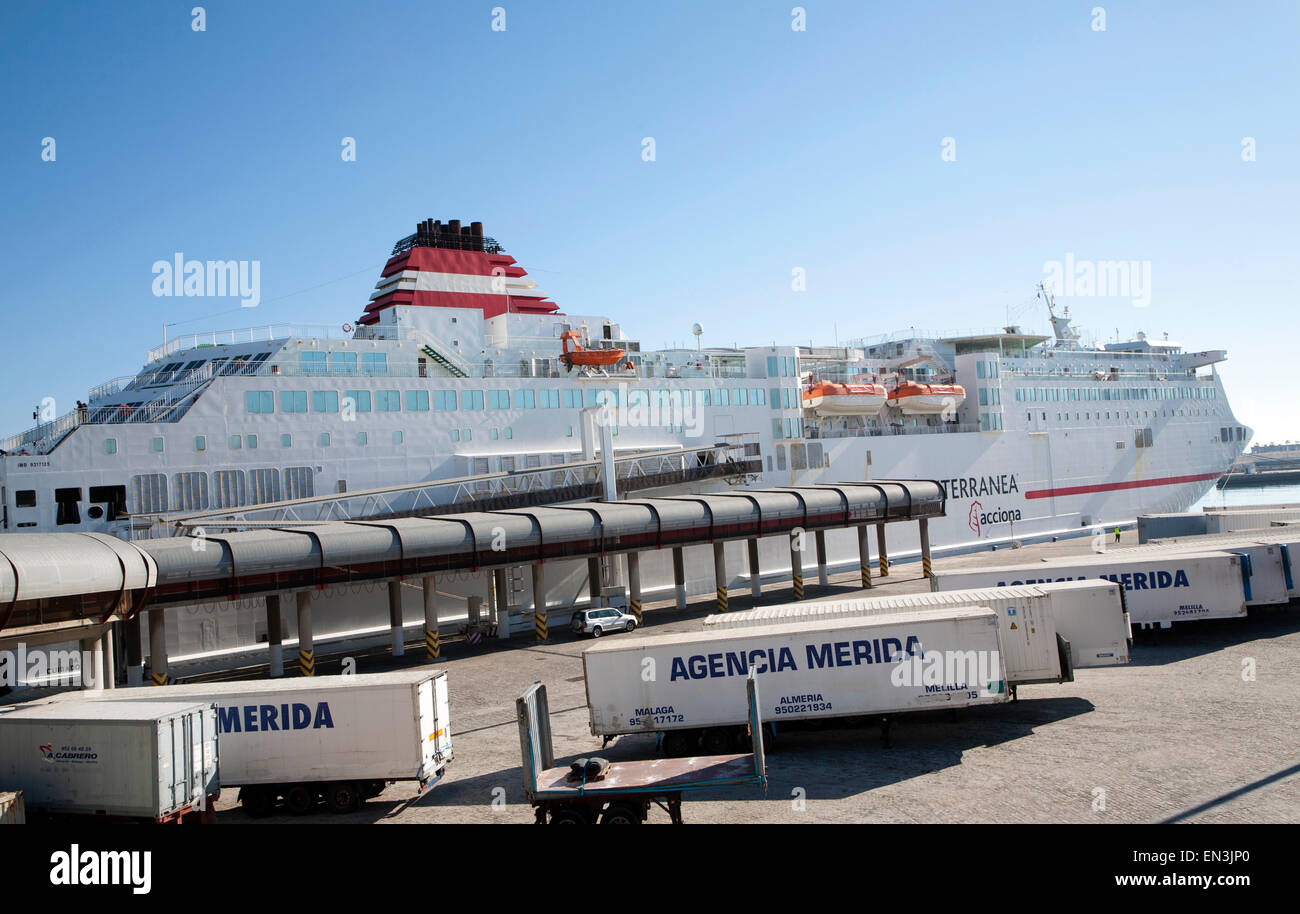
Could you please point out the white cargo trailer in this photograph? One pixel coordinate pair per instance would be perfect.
(1268, 579)
(337, 738)
(691, 687)
(149, 760)
(1285, 538)
(1159, 590)
(1232, 520)
(1089, 615)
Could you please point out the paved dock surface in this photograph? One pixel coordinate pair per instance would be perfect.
(1177, 735)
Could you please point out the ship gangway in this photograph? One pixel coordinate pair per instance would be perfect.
(65, 586)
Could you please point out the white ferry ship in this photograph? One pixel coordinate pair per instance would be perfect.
(460, 366)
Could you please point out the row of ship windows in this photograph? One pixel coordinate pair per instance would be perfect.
(326, 439)
(261, 402)
(1126, 414)
(228, 489)
(1056, 394)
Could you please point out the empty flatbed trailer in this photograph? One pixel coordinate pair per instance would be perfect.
(625, 791)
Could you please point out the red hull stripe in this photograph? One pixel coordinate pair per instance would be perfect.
(1116, 486)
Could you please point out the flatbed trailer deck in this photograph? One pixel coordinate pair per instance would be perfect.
(625, 791)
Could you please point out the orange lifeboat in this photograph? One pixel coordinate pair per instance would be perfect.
(827, 399)
(926, 399)
(586, 358)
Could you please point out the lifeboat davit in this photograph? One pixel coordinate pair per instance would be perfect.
(586, 358)
(827, 399)
(926, 399)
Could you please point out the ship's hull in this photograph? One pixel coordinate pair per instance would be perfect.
(1002, 489)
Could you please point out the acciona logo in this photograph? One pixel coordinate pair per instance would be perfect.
(978, 518)
(77, 867)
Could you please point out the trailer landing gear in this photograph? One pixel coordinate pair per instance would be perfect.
(624, 810)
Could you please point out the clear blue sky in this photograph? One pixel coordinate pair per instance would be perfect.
(775, 149)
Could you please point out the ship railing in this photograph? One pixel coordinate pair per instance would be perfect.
(109, 388)
(1098, 373)
(916, 333)
(41, 437)
(158, 409)
(265, 333)
(886, 431)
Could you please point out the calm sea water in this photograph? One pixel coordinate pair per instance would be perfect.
(1253, 495)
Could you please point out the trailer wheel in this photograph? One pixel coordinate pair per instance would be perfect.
(300, 799)
(258, 802)
(679, 743)
(623, 814)
(718, 740)
(342, 797)
(570, 815)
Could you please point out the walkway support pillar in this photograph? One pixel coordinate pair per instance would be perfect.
(306, 647)
(796, 563)
(134, 651)
(502, 588)
(540, 627)
(395, 617)
(634, 584)
(593, 580)
(864, 556)
(755, 577)
(720, 576)
(431, 646)
(884, 553)
(679, 576)
(926, 567)
(158, 646)
(108, 659)
(822, 577)
(274, 636)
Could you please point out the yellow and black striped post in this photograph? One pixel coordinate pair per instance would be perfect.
(430, 587)
(796, 564)
(864, 556)
(159, 679)
(306, 647)
(720, 577)
(634, 584)
(540, 631)
(926, 566)
(884, 553)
